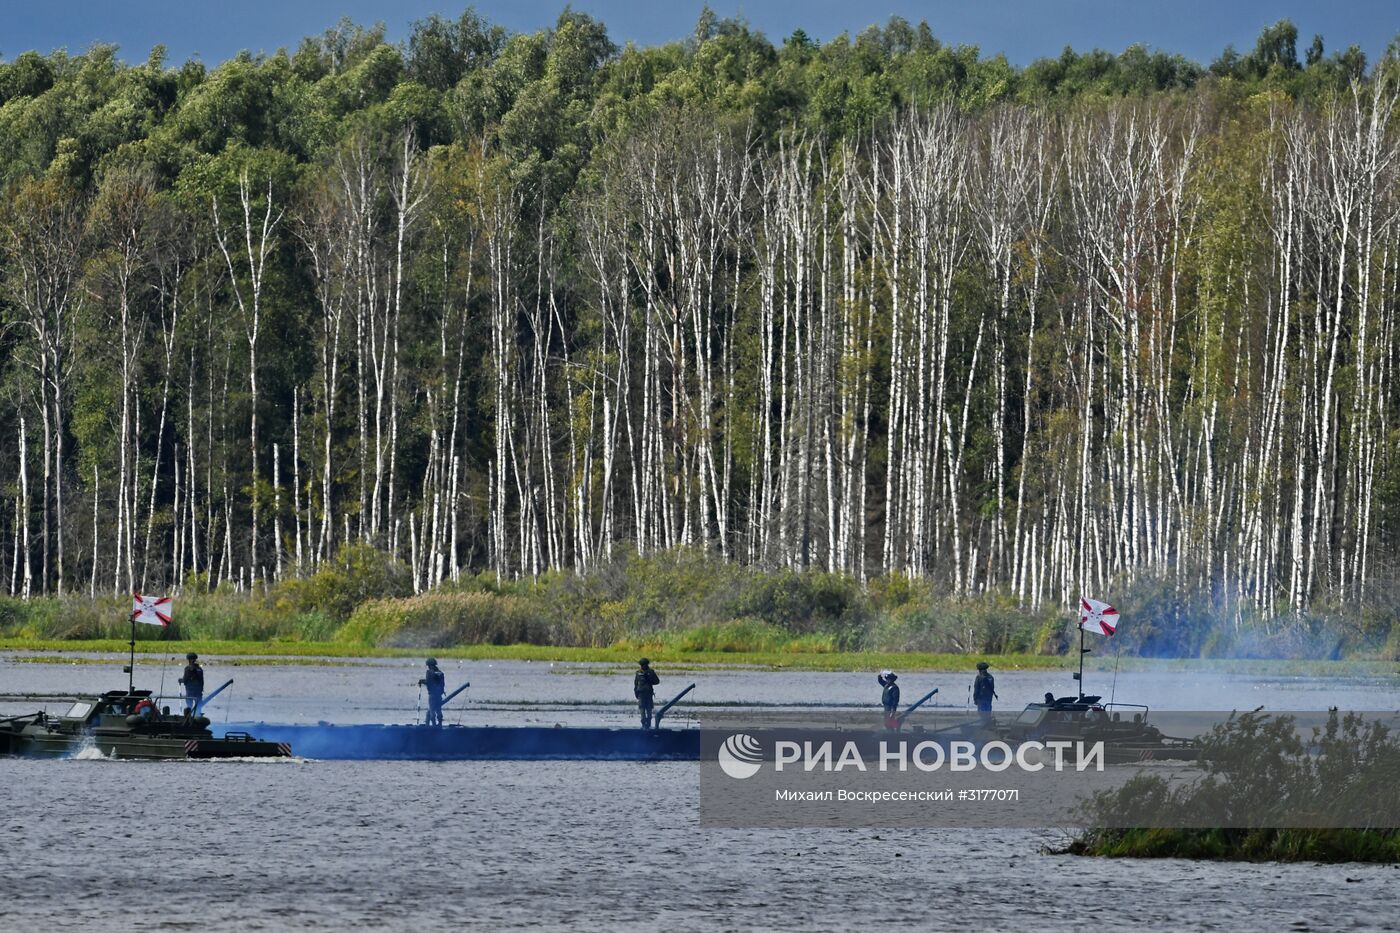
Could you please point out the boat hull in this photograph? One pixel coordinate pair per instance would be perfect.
(143, 748)
(131, 737)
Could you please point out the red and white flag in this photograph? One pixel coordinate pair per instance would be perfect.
(151, 610)
(1097, 617)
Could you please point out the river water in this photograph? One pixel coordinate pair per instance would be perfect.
(96, 844)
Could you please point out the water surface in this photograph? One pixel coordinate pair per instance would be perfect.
(95, 844)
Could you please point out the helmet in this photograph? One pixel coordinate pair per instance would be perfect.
(191, 657)
(888, 674)
(432, 662)
(982, 665)
(644, 662)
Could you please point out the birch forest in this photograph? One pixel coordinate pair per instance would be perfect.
(526, 304)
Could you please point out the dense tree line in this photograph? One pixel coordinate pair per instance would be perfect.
(511, 303)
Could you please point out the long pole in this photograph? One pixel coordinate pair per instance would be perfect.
(1082, 651)
(131, 668)
(207, 698)
(1117, 656)
(917, 703)
(448, 698)
(674, 700)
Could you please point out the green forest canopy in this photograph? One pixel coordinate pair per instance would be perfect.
(547, 98)
(509, 302)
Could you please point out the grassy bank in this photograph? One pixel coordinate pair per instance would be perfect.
(614, 654)
(674, 605)
(24, 649)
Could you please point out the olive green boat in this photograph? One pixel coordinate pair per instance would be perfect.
(1086, 719)
(127, 724)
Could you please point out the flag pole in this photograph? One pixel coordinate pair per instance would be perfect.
(1117, 656)
(131, 667)
(1080, 678)
(1082, 651)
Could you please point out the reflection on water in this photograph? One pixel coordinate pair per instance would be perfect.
(417, 845)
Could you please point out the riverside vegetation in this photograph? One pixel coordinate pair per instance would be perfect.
(679, 603)
(1281, 797)
(910, 345)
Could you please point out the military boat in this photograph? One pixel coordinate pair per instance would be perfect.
(127, 724)
(1085, 718)
(1122, 727)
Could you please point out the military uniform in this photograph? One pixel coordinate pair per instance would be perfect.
(193, 679)
(984, 688)
(889, 698)
(644, 689)
(436, 682)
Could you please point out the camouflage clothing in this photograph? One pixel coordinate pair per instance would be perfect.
(644, 689)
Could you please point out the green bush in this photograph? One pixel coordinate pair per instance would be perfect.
(982, 627)
(358, 573)
(1391, 651)
(715, 604)
(802, 602)
(1279, 794)
(69, 617)
(738, 635)
(439, 620)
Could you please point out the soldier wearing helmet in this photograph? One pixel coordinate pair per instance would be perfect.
(644, 689)
(436, 682)
(984, 689)
(193, 681)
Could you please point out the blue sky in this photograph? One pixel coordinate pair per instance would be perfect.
(1023, 29)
